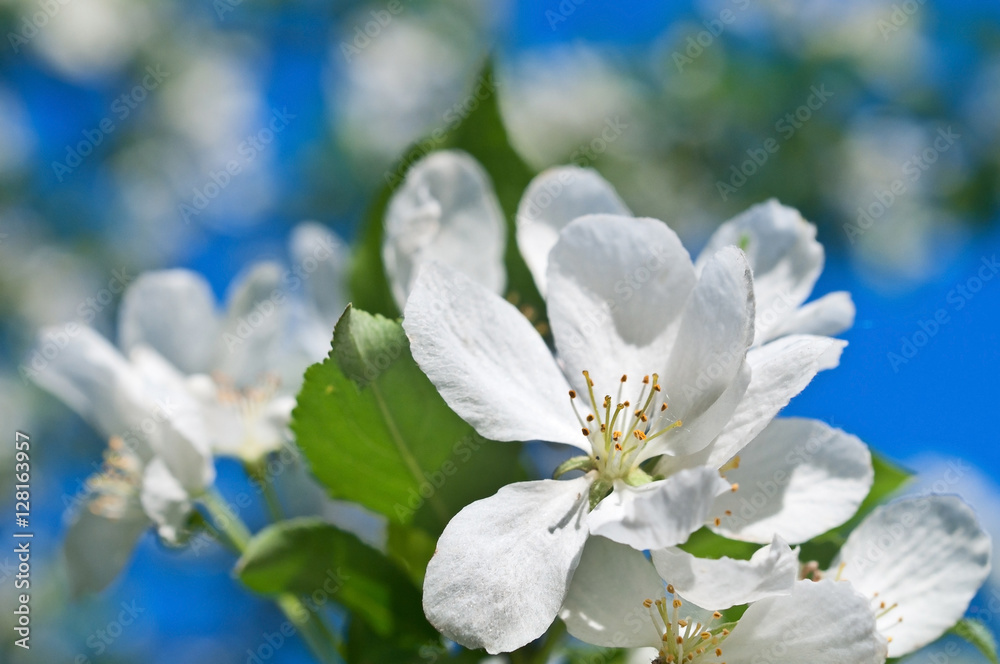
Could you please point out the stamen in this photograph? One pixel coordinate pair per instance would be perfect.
(671, 426)
(572, 402)
(732, 464)
(590, 390)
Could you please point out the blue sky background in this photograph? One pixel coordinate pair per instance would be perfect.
(942, 400)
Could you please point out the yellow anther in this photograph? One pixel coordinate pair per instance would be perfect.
(670, 589)
(648, 603)
(586, 431)
(716, 615)
(624, 378)
(735, 487)
(732, 464)
(572, 394)
(705, 636)
(677, 603)
(639, 435)
(590, 418)
(682, 623)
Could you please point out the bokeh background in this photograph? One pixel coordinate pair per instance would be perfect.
(118, 119)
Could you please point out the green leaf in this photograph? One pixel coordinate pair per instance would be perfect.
(390, 442)
(309, 557)
(365, 345)
(706, 544)
(889, 478)
(482, 134)
(979, 635)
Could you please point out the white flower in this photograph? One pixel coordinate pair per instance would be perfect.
(654, 361)
(919, 562)
(445, 211)
(229, 360)
(158, 459)
(780, 245)
(624, 604)
(244, 365)
(786, 260)
(188, 383)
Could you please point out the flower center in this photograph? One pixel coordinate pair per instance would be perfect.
(681, 638)
(247, 402)
(114, 487)
(245, 417)
(619, 431)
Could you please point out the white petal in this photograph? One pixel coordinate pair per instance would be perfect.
(708, 357)
(783, 252)
(641, 655)
(554, 198)
(90, 376)
(659, 514)
(320, 261)
(780, 370)
(604, 606)
(99, 545)
(503, 564)
(616, 290)
(725, 582)
(174, 425)
(927, 554)
(165, 501)
(172, 311)
(827, 316)
(445, 211)
(798, 479)
(487, 361)
(252, 332)
(820, 623)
